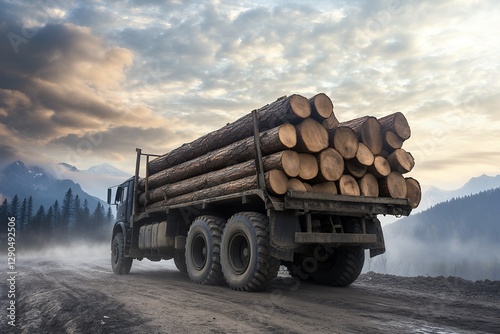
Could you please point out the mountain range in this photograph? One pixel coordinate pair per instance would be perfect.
(458, 237)
(44, 188)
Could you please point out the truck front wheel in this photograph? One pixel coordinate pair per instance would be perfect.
(121, 265)
(203, 250)
(246, 262)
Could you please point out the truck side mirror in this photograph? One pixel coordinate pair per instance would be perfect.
(109, 196)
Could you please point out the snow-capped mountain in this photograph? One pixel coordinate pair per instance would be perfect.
(107, 169)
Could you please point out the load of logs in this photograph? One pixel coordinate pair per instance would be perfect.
(304, 148)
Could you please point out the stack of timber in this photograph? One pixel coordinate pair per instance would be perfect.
(304, 148)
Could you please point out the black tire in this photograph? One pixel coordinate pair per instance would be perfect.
(203, 250)
(121, 265)
(246, 262)
(341, 267)
(180, 262)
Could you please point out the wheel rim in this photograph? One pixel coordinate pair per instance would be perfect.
(239, 253)
(199, 252)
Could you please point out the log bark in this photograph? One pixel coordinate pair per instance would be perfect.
(348, 186)
(355, 169)
(295, 184)
(380, 167)
(330, 165)
(401, 161)
(321, 107)
(288, 161)
(364, 156)
(369, 132)
(393, 185)
(312, 137)
(368, 185)
(276, 182)
(325, 188)
(414, 192)
(277, 139)
(345, 141)
(391, 141)
(331, 122)
(308, 166)
(292, 109)
(396, 123)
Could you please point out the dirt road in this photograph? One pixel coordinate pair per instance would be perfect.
(82, 295)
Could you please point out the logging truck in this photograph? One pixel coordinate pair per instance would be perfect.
(237, 209)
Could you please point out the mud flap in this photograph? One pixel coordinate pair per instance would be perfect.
(376, 228)
(282, 228)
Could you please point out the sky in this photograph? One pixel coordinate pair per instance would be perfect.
(86, 82)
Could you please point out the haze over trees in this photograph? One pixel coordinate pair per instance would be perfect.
(61, 223)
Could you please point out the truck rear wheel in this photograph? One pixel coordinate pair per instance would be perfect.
(203, 250)
(341, 268)
(246, 262)
(121, 265)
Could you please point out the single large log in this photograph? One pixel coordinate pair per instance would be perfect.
(325, 187)
(330, 165)
(321, 107)
(396, 123)
(312, 137)
(308, 166)
(355, 169)
(414, 191)
(391, 141)
(288, 161)
(276, 182)
(369, 132)
(277, 139)
(401, 161)
(380, 167)
(292, 109)
(368, 185)
(364, 156)
(393, 185)
(345, 141)
(348, 186)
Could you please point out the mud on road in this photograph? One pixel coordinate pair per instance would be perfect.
(82, 295)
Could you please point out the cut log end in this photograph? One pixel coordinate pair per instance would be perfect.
(308, 166)
(364, 156)
(325, 188)
(392, 141)
(368, 186)
(287, 135)
(414, 191)
(393, 185)
(311, 136)
(401, 161)
(345, 142)
(355, 169)
(348, 186)
(371, 135)
(300, 106)
(296, 185)
(331, 164)
(290, 162)
(277, 182)
(397, 123)
(401, 126)
(321, 106)
(380, 167)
